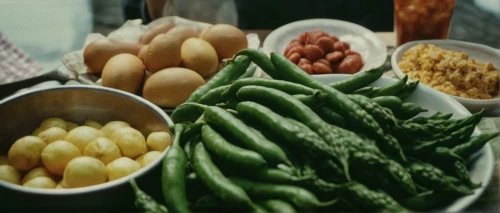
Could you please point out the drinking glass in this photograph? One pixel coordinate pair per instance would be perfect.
(422, 19)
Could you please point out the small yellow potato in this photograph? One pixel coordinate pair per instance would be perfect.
(53, 122)
(70, 126)
(36, 172)
(41, 182)
(10, 174)
(58, 154)
(121, 167)
(52, 134)
(103, 149)
(92, 123)
(82, 135)
(24, 154)
(131, 142)
(159, 141)
(111, 126)
(84, 171)
(148, 158)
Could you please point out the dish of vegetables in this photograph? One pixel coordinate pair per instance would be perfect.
(295, 143)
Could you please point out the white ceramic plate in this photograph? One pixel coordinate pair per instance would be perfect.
(480, 171)
(372, 49)
(478, 52)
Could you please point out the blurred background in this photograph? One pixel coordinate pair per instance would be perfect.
(48, 29)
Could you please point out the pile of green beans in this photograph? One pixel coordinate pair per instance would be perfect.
(293, 144)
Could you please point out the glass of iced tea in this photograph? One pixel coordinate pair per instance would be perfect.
(422, 19)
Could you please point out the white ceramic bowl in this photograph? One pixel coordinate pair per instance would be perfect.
(481, 169)
(372, 49)
(481, 53)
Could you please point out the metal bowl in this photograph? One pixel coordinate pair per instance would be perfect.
(21, 113)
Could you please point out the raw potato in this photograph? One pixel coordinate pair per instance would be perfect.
(156, 30)
(171, 87)
(226, 39)
(37, 131)
(36, 172)
(199, 56)
(102, 149)
(53, 122)
(41, 182)
(3, 160)
(82, 135)
(148, 158)
(52, 134)
(121, 167)
(111, 126)
(142, 53)
(70, 126)
(183, 33)
(164, 51)
(60, 185)
(58, 154)
(92, 123)
(84, 171)
(97, 53)
(24, 154)
(131, 142)
(159, 141)
(124, 72)
(10, 174)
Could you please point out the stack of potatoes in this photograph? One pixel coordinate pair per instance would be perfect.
(168, 64)
(60, 154)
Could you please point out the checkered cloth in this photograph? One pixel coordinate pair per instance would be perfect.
(15, 65)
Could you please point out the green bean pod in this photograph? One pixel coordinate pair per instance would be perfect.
(275, 205)
(400, 179)
(300, 197)
(312, 101)
(372, 200)
(267, 119)
(213, 178)
(296, 109)
(366, 91)
(358, 80)
(249, 72)
(144, 202)
(434, 178)
(407, 90)
(473, 145)
(391, 89)
(173, 175)
(285, 86)
(330, 116)
(236, 128)
(224, 77)
(449, 140)
(213, 96)
(271, 175)
(390, 102)
(385, 117)
(409, 110)
(339, 102)
(262, 60)
(229, 153)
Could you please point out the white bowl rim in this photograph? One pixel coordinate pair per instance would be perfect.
(487, 150)
(282, 28)
(99, 187)
(400, 74)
